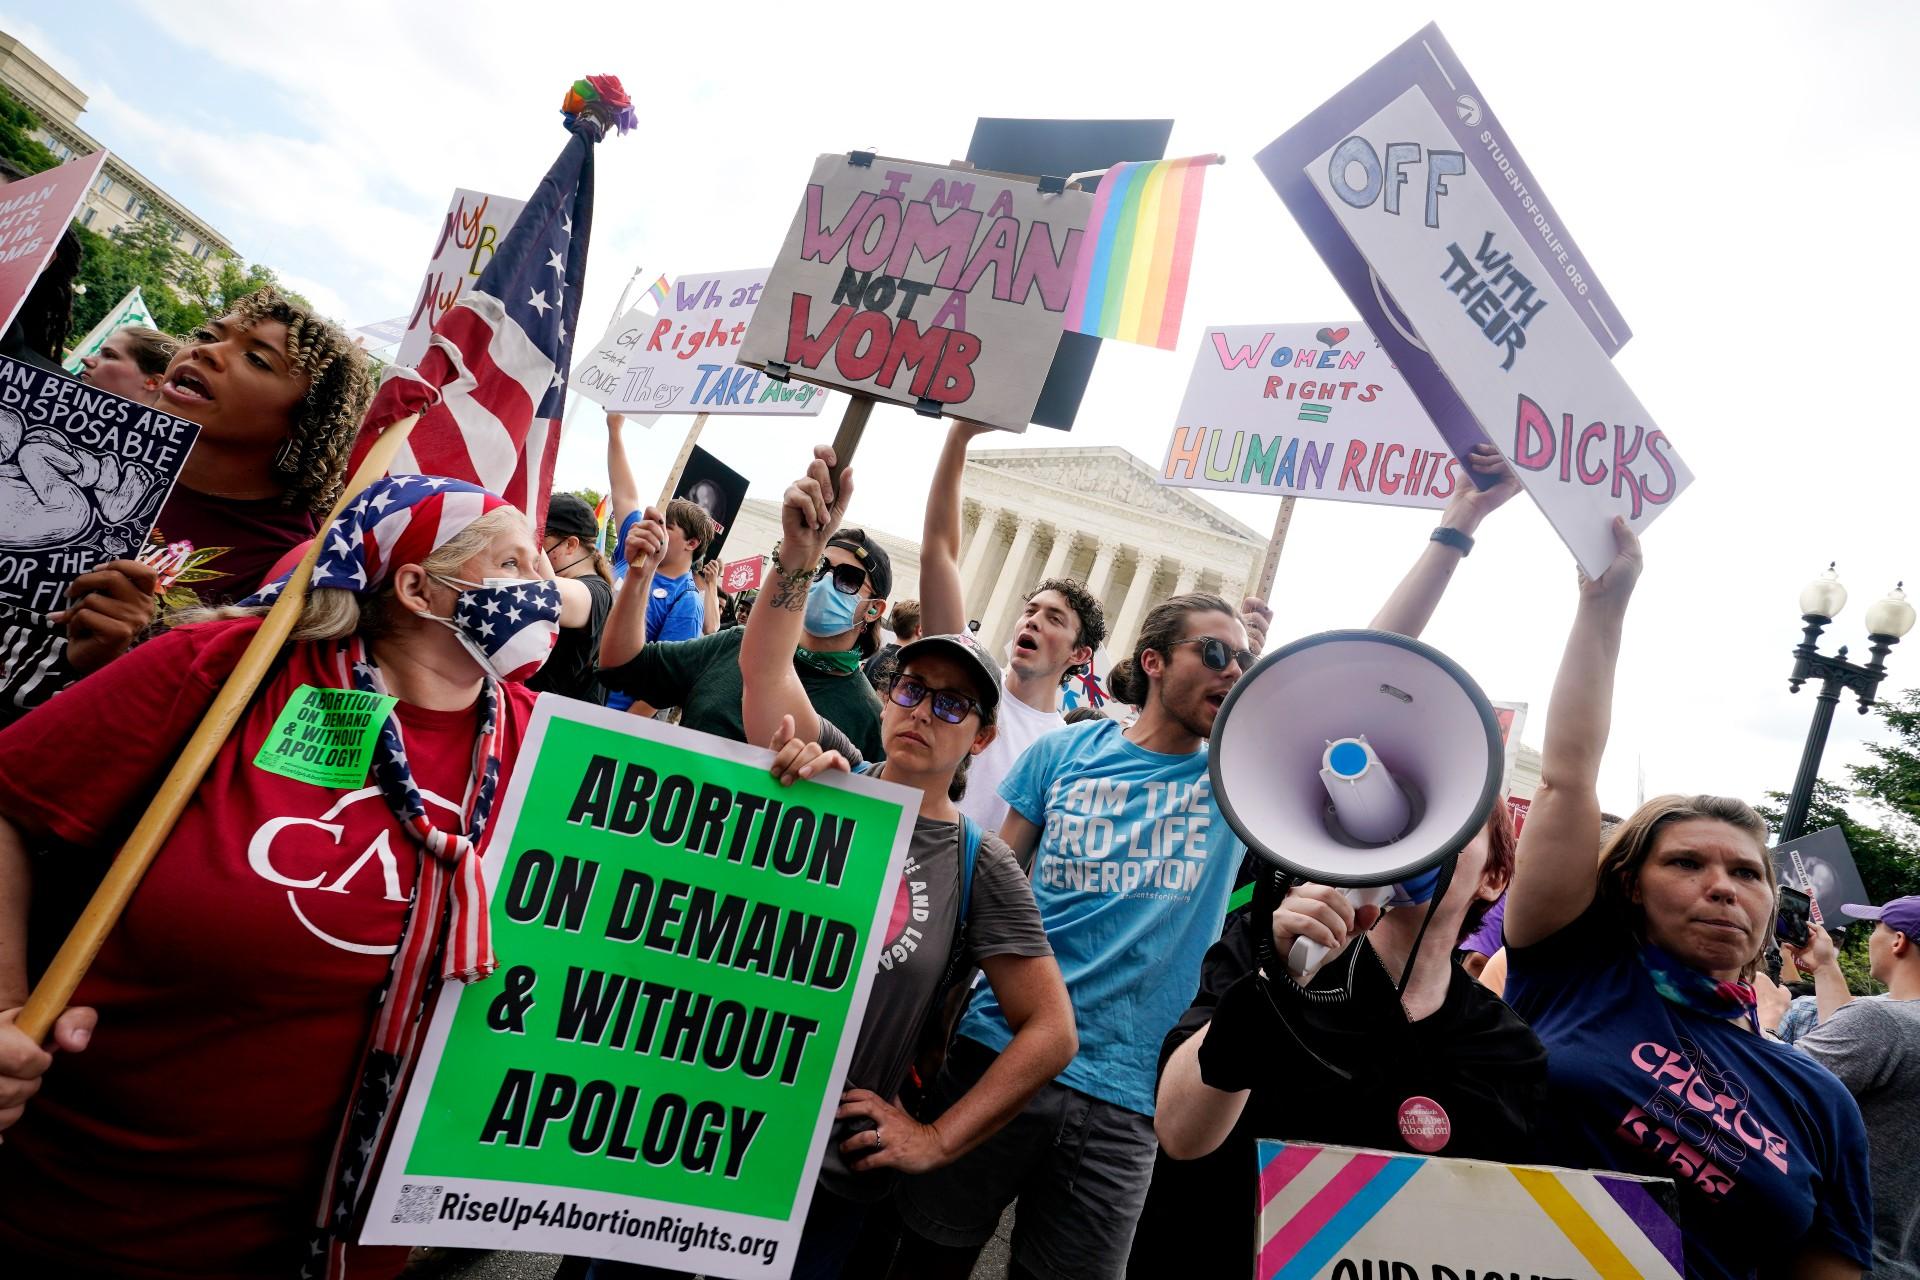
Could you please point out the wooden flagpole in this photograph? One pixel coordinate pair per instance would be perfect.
(62, 978)
(680, 463)
(1271, 564)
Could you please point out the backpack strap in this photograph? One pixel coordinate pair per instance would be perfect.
(969, 857)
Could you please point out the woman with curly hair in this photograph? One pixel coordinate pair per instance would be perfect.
(278, 392)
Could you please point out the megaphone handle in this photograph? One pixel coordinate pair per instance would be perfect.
(1306, 956)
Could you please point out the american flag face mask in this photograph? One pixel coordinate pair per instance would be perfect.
(509, 625)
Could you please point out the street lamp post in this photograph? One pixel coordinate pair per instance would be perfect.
(1889, 619)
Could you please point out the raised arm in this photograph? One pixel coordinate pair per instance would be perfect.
(1556, 865)
(625, 632)
(943, 606)
(809, 513)
(1410, 607)
(623, 492)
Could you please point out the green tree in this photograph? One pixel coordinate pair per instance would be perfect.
(1894, 780)
(17, 142)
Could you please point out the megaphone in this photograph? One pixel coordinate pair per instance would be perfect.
(1355, 758)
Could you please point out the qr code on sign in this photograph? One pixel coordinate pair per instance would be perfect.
(417, 1202)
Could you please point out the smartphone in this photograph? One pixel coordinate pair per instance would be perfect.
(1790, 916)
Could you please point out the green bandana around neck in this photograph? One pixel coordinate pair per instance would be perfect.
(835, 662)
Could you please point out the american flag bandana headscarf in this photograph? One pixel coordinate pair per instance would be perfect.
(403, 520)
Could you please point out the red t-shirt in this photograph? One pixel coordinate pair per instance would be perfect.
(192, 1135)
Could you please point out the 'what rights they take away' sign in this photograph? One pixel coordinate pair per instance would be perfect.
(686, 951)
(941, 289)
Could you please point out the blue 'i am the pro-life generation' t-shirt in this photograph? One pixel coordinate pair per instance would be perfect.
(1132, 874)
(1766, 1147)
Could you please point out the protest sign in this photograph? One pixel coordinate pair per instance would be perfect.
(1488, 310)
(1038, 148)
(687, 949)
(325, 736)
(742, 575)
(715, 488)
(1821, 862)
(34, 213)
(475, 226)
(131, 309)
(938, 288)
(681, 360)
(1342, 1213)
(1427, 61)
(83, 474)
(1512, 719)
(1314, 411)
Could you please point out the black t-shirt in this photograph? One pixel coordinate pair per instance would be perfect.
(576, 654)
(1473, 1057)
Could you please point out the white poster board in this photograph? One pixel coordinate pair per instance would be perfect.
(1308, 411)
(475, 226)
(942, 289)
(681, 360)
(1482, 302)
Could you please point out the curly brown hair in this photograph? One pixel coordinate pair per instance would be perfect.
(313, 465)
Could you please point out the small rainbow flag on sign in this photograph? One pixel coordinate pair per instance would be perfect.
(1131, 279)
(659, 292)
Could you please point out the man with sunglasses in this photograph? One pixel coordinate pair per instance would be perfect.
(842, 593)
(1134, 864)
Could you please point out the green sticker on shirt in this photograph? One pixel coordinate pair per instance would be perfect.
(325, 736)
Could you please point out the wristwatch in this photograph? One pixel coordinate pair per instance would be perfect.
(1463, 543)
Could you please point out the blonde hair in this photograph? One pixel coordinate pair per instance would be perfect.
(1628, 846)
(334, 613)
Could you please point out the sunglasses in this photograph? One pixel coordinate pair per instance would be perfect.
(1218, 655)
(847, 578)
(952, 707)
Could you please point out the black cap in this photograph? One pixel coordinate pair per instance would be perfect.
(569, 516)
(962, 645)
(872, 556)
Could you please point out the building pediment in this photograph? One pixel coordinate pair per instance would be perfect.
(1109, 473)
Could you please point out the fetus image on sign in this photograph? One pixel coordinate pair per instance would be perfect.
(51, 490)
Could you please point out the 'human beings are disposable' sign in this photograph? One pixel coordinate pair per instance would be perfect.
(943, 289)
(686, 949)
(1309, 411)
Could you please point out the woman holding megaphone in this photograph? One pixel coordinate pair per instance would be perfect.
(1635, 972)
(1390, 1045)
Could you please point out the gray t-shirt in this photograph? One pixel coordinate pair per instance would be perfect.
(1002, 921)
(1874, 1047)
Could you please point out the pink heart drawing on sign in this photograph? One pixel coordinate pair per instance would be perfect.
(1332, 337)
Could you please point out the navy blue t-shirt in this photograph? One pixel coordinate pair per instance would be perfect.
(1766, 1146)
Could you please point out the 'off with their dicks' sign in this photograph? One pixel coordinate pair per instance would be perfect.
(1481, 299)
(686, 951)
(943, 289)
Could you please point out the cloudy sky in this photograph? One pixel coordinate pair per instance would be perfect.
(1741, 177)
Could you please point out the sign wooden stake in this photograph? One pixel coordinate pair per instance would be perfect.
(846, 441)
(1270, 565)
(57, 985)
(680, 463)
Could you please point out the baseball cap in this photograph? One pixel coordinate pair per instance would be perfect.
(872, 556)
(569, 516)
(1901, 915)
(984, 670)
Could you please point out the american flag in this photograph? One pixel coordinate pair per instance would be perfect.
(490, 389)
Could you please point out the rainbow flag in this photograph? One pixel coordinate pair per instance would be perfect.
(1131, 279)
(659, 293)
(601, 510)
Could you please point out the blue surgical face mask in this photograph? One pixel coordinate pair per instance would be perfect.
(1417, 891)
(830, 611)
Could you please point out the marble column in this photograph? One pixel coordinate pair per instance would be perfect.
(1057, 557)
(1100, 577)
(1127, 625)
(1007, 587)
(985, 534)
(1188, 579)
